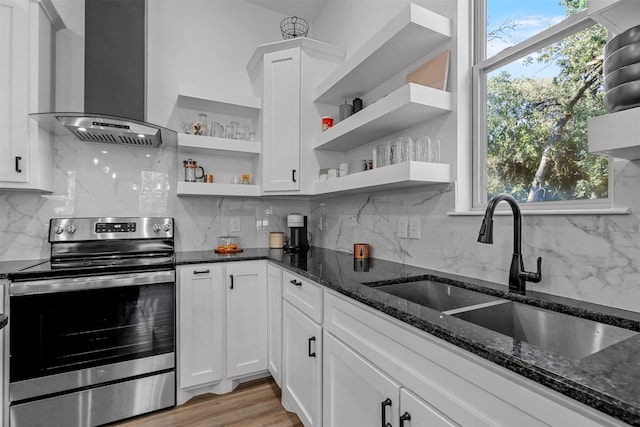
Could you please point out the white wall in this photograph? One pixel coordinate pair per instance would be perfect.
(202, 43)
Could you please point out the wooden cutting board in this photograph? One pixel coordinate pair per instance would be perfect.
(433, 73)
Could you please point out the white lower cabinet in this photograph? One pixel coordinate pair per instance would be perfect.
(222, 326)
(415, 412)
(301, 365)
(441, 384)
(274, 322)
(246, 318)
(200, 324)
(355, 393)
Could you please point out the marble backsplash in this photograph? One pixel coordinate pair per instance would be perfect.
(92, 179)
(595, 258)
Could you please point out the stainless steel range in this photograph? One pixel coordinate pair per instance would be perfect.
(92, 334)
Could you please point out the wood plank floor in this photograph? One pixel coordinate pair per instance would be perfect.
(252, 404)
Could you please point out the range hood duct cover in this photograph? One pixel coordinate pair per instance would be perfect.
(114, 80)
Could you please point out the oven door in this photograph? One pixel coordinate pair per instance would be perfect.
(62, 329)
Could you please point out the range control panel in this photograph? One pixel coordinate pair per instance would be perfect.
(115, 227)
(83, 229)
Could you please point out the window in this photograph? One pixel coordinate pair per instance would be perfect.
(537, 79)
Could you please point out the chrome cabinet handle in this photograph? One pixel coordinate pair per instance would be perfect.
(201, 271)
(18, 158)
(293, 175)
(231, 277)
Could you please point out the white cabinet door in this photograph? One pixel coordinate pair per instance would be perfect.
(355, 392)
(200, 324)
(274, 322)
(27, 37)
(246, 284)
(415, 412)
(14, 89)
(281, 121)
(301, 366)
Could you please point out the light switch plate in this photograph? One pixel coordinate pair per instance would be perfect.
(403, 226)
(414, 227)
(234, 224)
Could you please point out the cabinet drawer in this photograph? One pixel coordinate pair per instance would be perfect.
(303, 294)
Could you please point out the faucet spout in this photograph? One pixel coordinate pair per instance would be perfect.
(517, 274)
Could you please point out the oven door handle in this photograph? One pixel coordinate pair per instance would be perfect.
(47, 286)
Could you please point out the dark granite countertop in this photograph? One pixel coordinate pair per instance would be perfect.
(608, 380)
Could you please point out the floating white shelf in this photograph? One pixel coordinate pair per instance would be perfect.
(616, 134)
(401, 175)
(216, 189)
(217, 146)
(412, 34)
(616, 15)
(203, 99)
(407, 106)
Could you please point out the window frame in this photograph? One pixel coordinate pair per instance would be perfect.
(481, 66)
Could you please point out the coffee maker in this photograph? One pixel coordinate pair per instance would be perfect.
(298, 240)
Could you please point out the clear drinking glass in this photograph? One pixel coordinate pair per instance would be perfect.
(236, 130)
(405, 149)
(217, 130)
(434, 151)
(383, 154)
(422, 149)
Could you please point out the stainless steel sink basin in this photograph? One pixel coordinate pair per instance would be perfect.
(438, 296)
(570, 336)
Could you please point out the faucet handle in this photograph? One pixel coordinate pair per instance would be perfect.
(533, 277)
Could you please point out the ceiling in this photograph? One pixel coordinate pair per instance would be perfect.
(306, 9)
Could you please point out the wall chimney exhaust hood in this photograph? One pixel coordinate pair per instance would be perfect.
(114, 80)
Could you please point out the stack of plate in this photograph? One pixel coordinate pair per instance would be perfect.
(622, 71)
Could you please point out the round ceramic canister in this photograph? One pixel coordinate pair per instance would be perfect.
(361, 250)
(276, 240)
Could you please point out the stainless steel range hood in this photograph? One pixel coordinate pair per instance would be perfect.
(114, 80)
(105, 128)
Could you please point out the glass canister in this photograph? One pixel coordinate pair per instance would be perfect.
(200, 126)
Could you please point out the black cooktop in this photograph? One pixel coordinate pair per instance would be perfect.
(45, 270)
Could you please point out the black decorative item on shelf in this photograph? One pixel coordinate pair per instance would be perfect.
(621, 71)
(293, 27)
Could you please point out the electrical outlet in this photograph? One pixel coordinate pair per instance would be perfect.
(234, 224)
(414, 227)
(403, 226)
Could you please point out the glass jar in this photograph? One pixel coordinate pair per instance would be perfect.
(200, 126)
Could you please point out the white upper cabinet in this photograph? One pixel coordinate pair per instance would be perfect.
(281, 126)
(27, 36)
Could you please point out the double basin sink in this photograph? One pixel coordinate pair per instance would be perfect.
(570, 336)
